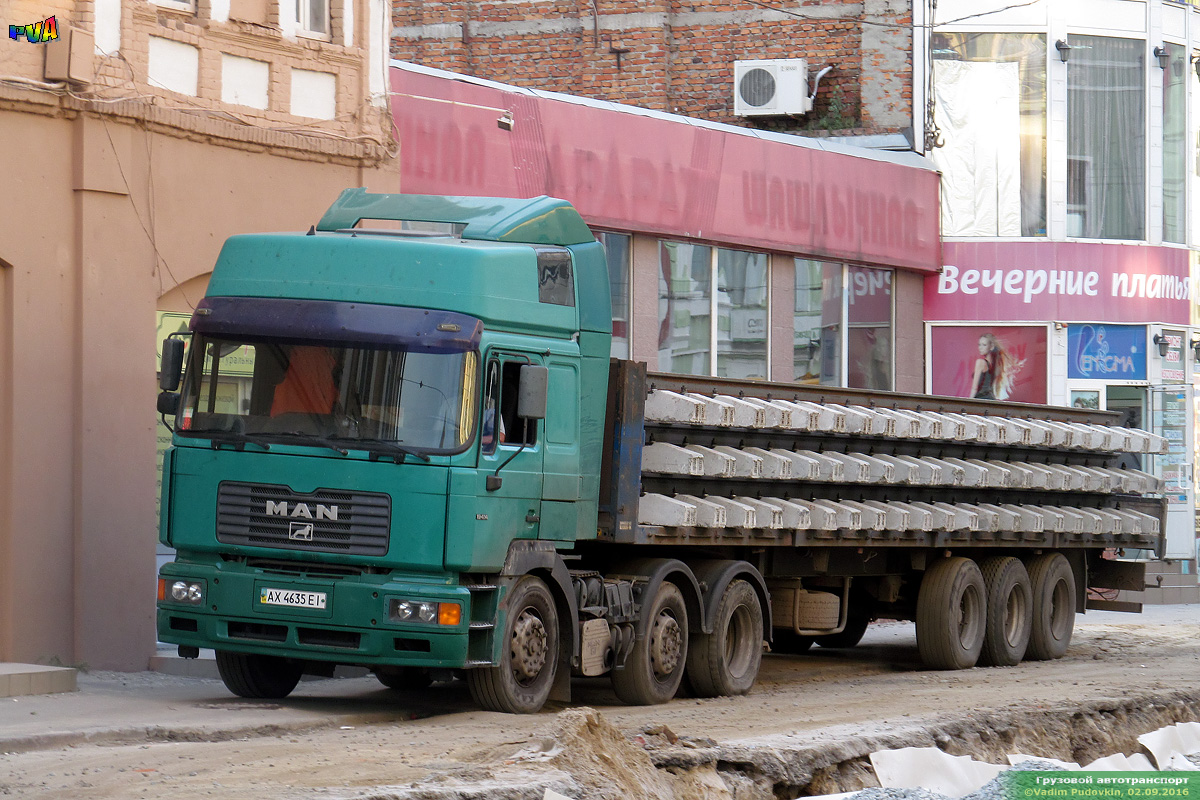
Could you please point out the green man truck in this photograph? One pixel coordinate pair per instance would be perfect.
(407, 448)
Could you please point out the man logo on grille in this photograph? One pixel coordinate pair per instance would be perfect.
(301, 531)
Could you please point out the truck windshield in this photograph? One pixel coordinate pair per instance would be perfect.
(345, 396)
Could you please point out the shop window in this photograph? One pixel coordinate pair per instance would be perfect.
(869, 328)
(1106, 140)
(684, 308)
(843, 310)
(688, 340)
(817, 323)
(989, 92)
(617, 251)
(741, 314)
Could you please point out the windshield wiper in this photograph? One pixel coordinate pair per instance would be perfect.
(231, 437)
(317, 441)
(375, 446)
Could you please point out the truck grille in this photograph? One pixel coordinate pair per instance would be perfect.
(326, 521)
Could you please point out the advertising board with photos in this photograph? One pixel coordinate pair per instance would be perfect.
(999, 362)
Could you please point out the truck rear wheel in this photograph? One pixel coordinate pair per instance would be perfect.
(655, 666)
(1053, 606)
(257, 676)
(726, 661)
(1009, 611)
(951, 614)
(522, 680)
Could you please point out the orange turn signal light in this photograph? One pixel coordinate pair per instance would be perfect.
(162, 589)
(449, 613)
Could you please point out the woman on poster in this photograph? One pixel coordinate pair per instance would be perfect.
(995, 370)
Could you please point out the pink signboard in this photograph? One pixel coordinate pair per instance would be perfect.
(634, 171)
(1060, 281)
(989, 361)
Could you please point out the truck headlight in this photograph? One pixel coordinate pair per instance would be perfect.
(424, 612)
(181, 591)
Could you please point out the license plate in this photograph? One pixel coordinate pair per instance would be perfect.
(287, 597)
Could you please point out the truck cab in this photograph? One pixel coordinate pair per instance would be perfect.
(368, 420)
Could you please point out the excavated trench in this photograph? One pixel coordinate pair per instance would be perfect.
(584, 756)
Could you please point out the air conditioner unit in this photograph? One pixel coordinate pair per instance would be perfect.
(772, 86)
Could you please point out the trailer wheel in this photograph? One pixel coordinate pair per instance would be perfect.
(1009, 611)
(655, 666)
(1053, 606)
(404, 678)
(522, 680)
(951, 614)
(726, 661)
(257, 676)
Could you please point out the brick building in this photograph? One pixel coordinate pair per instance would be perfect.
(679, 57)
(147, 132)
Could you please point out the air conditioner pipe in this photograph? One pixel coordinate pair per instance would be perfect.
(817, 81)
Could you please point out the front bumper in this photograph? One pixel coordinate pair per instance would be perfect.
(353, 628)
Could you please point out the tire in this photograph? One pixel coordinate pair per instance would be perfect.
(726, 661)
(1053, 585)
(655, 666)
(404, 679)
(522, 680)
(849, 636)
(1009, 612)
(256, 676)
(951, 614)
(788, 642)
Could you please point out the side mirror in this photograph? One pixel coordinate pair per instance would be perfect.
(172, 364)
(532, 392)
(168, 403)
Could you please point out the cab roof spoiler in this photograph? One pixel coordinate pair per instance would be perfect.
(537, 220)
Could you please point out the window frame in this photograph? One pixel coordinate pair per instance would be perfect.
(714, 304)
(845, 274)
(303, 12)
(627, 305)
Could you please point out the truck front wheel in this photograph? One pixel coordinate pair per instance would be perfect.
(256, 676)
(522, 680)
(654, 668)
(726, 661)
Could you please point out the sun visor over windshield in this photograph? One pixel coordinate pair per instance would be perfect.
(414, 329)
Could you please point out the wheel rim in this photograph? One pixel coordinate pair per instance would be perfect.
(666, 644)
(1014, 616)
(967, 622)
(738, 650)
(1060, 602)
(528, 646)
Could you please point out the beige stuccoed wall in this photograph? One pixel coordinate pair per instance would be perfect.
(114, 218)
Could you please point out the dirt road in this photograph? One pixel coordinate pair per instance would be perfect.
(805, 728)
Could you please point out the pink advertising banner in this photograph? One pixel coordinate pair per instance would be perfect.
(1060, 281)
(995, 362)
(669, 176)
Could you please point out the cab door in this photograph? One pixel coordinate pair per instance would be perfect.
(501, 500)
